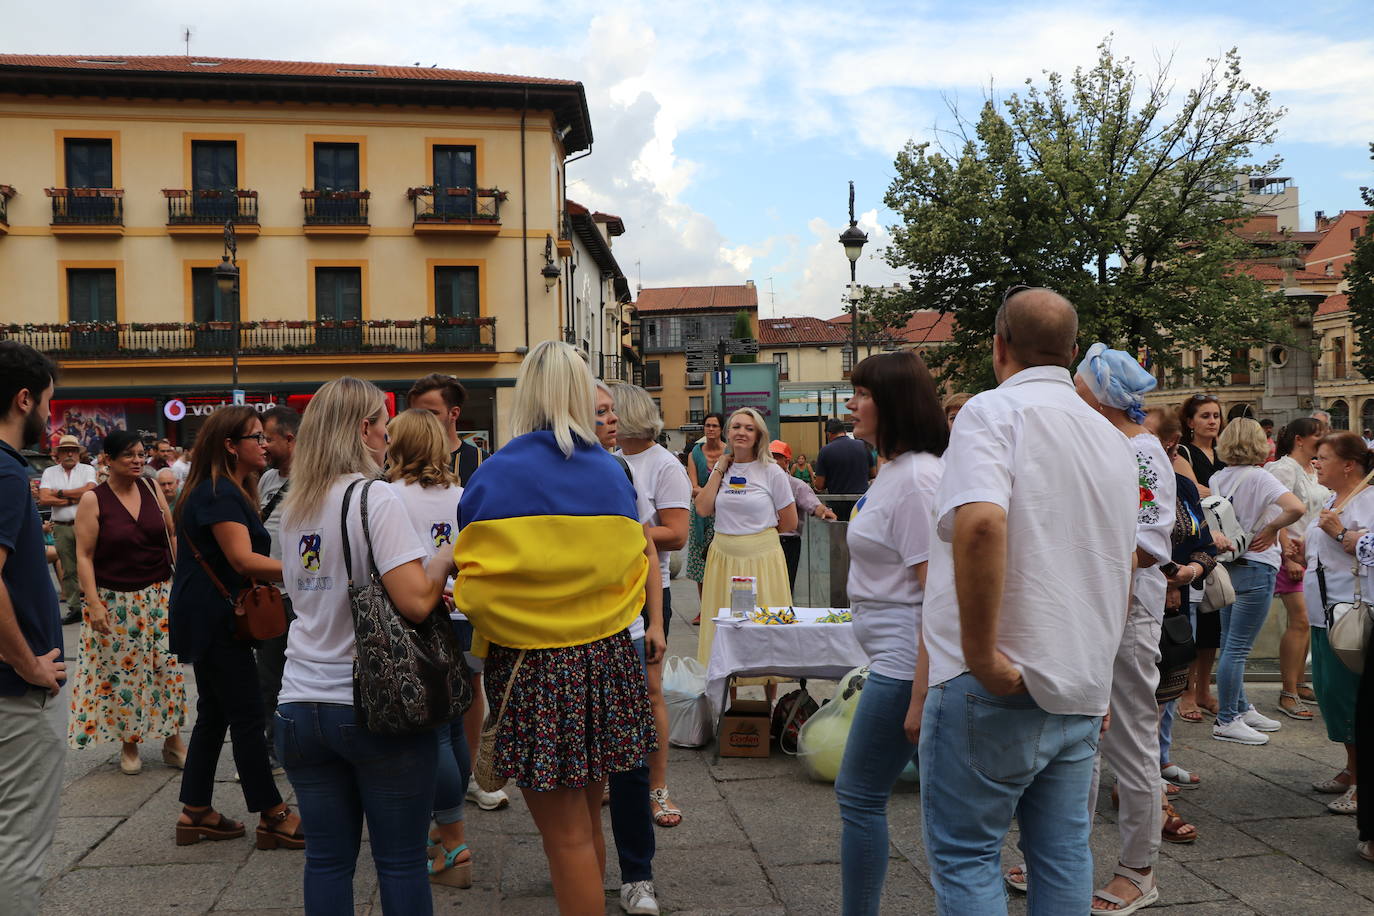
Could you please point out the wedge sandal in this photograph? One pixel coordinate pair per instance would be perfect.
(1297, 711)
(271, 836)
(451, 873)
(1149, 893)
(1174, 826)
(222, 829)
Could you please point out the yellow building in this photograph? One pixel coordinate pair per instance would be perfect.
(389, 221)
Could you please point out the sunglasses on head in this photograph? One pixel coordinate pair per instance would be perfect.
(1013, 290)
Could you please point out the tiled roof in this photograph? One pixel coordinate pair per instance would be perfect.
(1272, 272)
(214, 65)
(784, 331)
(1332, 304)
(697, 298)
(927, 326)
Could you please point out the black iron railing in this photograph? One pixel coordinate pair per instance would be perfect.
(612, 367)
(87, 206)
(6, 192)
(696, 416)
(336, 208)
(108, 340)
(207, 207)
(456, 205)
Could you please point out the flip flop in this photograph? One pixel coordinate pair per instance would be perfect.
(1191, 715)
(1016, 884)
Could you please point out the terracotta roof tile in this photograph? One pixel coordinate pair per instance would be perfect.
(697, 298)
(924, 327)
(1332, 304)
(804, 330)
(1275, 273)
(202, 66)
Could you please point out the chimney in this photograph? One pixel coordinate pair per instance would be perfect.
(748, 284)
(1320, 223)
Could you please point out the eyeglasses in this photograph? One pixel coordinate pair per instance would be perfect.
(257, 437)
(1203, 397)
(1013, 290)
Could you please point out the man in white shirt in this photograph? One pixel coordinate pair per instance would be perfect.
(60, 489)
(280, 425)
(1024, 609)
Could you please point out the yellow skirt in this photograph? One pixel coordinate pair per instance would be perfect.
(759, 555)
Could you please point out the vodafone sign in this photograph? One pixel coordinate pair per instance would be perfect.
(174, 410)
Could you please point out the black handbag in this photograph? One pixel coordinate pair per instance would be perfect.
(1177, 650)
(407, 677)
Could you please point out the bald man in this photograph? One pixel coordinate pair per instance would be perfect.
(1025, 604)
(168, 482)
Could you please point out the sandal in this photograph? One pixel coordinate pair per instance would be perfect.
(1365, 850)
(270, 836)
(452, 873)
(1176, 829)
(222, 829)
(1189, 715)
(1334, 785)
(1149, 892)
(1178, 777)
(1017, 876)
(1297, 711)
(665, 812)
(1346, 804)
(1306, 693)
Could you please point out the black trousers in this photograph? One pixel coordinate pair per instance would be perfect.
(229, 702)
(791, 551)
(271, 657)
(1364, 748)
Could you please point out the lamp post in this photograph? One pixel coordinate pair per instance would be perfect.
(227, 279)
(853, 239)
(550, 273)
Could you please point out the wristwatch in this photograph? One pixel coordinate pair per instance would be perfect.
(1169, 569)
(1340, 538)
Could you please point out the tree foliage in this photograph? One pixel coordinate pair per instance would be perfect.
(743, 330)
(1103, 188)
(1359, 274)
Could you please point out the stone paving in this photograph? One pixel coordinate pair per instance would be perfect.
(758, 838)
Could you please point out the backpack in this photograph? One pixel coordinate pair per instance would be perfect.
(790, 715)
(1221, 516)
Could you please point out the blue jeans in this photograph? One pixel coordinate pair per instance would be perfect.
(1170, 709)
(632, 821)
(342, 773)
(985, 758)
(455, 758)
(874, 756)
(1240, 624)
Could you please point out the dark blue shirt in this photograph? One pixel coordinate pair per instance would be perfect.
(25, 575)
(845, 463)
(198, 614)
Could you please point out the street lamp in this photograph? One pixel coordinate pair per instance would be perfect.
(550, 273)
(227, 279)
(853, 239)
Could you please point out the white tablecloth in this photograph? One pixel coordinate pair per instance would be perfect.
(743, 648)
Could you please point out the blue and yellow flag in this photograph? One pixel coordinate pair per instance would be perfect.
(550, 549)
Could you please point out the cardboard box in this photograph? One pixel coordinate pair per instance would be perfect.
(744, 729)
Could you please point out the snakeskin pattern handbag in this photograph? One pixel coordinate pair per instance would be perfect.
(407, 677)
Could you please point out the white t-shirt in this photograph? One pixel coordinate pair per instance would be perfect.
(660, 483)
(1154, 520)
(182, 468)
(1068, 481)
(268, 486)
(1337, 565)
(57, 478)
(751, 495)
(1254, 495)
(1302, 483)
(434, 516)
(889, 536)
(319, 650)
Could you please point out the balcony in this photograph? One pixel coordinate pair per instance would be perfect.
(336, 212)
(696, 417)
(1338, 373)
(87, 211)
(6, 192)
(475, 211)
(204, 211)
(161, 340)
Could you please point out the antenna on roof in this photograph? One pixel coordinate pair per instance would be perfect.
(772, 299)
(186, 37)
(639, 269)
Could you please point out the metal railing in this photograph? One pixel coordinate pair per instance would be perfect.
(696, 416)
(336, 208)
(87, 206)
(211, 206)
(5, 192)
(110, 340)
(456, 205)
(612, 367)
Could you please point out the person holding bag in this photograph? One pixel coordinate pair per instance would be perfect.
(553, 567)
(1343, 461)
(225, 550)
(340, 528)
(129, 687)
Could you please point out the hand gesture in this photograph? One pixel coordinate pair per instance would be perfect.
(1330, 522)
(1263, 540)
(1294, 570)
(724, 462)
(99, 618)
(49, 671)
(824, 512)
(999, 676)
(1222, 542)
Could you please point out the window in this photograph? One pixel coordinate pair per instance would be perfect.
(696, 409)
(339, 297)
(696, 379)
(1338, 357)
(676, 332)
(90, 163)
(846, 360)
(454, 167)
(214, 165)
(456, 296)
(91, 298)
(209, 304)
(658, 405)
(652, 376)
(336, 167)
(781, 360)
(1340, 415)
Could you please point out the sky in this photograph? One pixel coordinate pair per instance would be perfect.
(726, 132)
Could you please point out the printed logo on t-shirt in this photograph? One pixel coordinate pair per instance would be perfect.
(310, 544)
(857, 506)
(737, 482)
(441, 533)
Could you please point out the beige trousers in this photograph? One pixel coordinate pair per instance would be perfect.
(31, 753)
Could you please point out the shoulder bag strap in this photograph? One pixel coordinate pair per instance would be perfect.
(367, 535)
(510, 682)
(276, 499)
(167, 532)
(195, 552)
(343, 528)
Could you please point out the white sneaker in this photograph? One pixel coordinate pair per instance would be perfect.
(1260, 722)
(1236, 730)
(487, 801)
(638, 897)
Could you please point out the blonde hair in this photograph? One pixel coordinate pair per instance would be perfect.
(761, 452)
(956, 400)
(1243, 442)
(554, 391)
(639, 417)
(418, 452)
(330, 445)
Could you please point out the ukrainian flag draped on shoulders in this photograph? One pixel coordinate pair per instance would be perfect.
(550, 550)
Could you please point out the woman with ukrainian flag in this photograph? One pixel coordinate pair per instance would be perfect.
(552, 569)
(751, 501)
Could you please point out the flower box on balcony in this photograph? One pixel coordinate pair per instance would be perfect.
(85, 192)
(241, 192)
(458, 192)
(403, 324)
(307, 194)
(425, 191)
(209, 194)
(221, 325)
(173, 192)
(270, 325)
(6, 191)
(297, 325)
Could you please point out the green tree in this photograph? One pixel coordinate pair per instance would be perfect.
(1099, 186)
(1359, 275)
(743, 330)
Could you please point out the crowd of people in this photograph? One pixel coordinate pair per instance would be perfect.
(1034, 577)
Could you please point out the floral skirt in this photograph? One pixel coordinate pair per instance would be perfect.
(128, 687)
(575, 715)
(702, 532)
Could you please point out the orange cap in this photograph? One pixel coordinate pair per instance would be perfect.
(777, 446)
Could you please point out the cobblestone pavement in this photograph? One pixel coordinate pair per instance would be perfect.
(757, 838)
